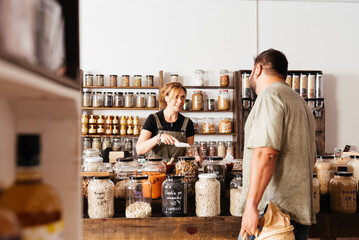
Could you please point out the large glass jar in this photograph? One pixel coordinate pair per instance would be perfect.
(128, 99)
(97, 99)
(138, 197)
(208, 125)
(86, 99)
(92, 164)
(197, 101)
(108, 99)
(96, 143)
(198, 78)
(90, 152)
(151, 100)
(343, 193)
(101, 197)
(325, 167)
(187, 167)
(137, 79)
(316, 193)
(113, 80)
(225, 125)
(140, 100)
(122, 170)
(224, 102)
(235, 193)
(216, 165)
(222, 149)
(174, 197)
(212, 149)
(100, 80)
(118, 100)
(155, 169)
(224, 78)
(208, 196)
(353, 167)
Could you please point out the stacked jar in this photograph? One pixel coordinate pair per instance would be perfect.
(123, 169)
(109, 125)
(235, 193)
(216, 165)
(186, 167)
(129, 130)
(325, 167)
(136, 126)
(92, 129)
(208, 195)
(155, 169)
(100, 130)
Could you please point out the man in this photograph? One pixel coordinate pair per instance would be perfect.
(279, 149)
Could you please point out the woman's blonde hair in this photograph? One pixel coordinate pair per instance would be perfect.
(170, 89)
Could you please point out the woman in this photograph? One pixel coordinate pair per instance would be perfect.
(164, 128)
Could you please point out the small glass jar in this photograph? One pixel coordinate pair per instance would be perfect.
(225, 125)
(101, 198)
(316, 194)
(151, 100)
(196, 125)
(96, 143)
(224, 78)
(92, 130)
(246, 85)
(199, 77)
(106, 143)
(174, 77)
(212, 149)
(92, 164)
(186, 167)
(186, 104)
(108, 99)
(343, 193)
(116, 144)
(197, 101)
(235, 194)
(129, 130)
(137, 79)
(84, 119)
(353, 166)
(128, 145)
(109, 120)
(149, 80)
(122, 170)
(203, 150)
(174, 197)
(136, 120)
(210, 104)
(100, 80)
(115, 120)
(84, 129)
(101, 120)
(325, 167)
(288, 80)
(230, 148)
(140, 100)
(155, 169)
(86, 99)
(128, 99)
(123, 120)
(136, 130)
(88, 80)
(86, 143)
(208, 126)
(224, 102)
(216, 165)
(125, 80)
(92, 119)
(113, 80)
(208, 195)
(109, 129)
(118, 100)
(296, 84)
(129, 120)
(123, 130)
(222, 149)
(100, 130)
(138, 197)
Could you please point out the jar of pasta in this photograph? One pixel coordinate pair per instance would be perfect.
(197, 101)
(208, 195)
(188, 168)
(208, 126)
(343, 193)
(353, 166)
(138, 197)
(225, 125)
(155, 169)
(223, 100)
(221, 149)
(325, 167)
(316, 193)
(224, 78)
(235, 194)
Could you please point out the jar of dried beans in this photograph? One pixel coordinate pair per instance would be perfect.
(325, 167)
(208, 202)
(343, 193)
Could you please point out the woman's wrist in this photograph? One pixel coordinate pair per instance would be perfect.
(159, 138)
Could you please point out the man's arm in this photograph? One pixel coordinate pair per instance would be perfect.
(262, 168)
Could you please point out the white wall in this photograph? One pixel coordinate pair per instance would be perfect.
(142, 37)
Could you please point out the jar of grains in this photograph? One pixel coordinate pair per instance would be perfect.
(88, 80)
(149, 80)
(353, 167)
(174, 77)
(140, 100)
(216, 165)
(125, 80)
(155, 169)
(123, 169)
(92, 164)
(224, 78)
(316, 193)
(325, 167)
(222, 149)
(138, 197)
(187, 167)
(113, 80)
(212, 149)
(128, 99)
(100, 80)
(174, 197)
(223, 100)
(208, 125)
(151, 100)
(225, 125)
(86, 143)
(343, 193)
(86, 99)
(208, 203)
(235, 193)
(137, 79)
(97, 99)
(96, 143)
(101, 197)
(197, 101)
(118, 100)
(108, 99)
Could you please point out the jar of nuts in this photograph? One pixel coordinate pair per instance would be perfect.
(208, 126)
(325, 168)
(225, 125)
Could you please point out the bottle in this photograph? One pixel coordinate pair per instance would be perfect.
(9, 227)
(35, 203)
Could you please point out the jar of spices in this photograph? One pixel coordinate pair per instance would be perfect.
(123, 130)
(230, 148)
(106, 143)
(118, 100)
(151, 100)
(316, 193)
(353, 166)
(116, 144)
(86, 99)
(84, 129)
(138, 197)
(199, 77)
(149, 80)
(115, 130)
(210, 104)
(140, 100)
(343, 193)
(235, 194)
(174, 200)
(123, 169)
(225, 125)
(101, 197)
(187, 167)
(113, 80)
(174, 77)
(325, 167)
(186, 104)
(128, 145)
(92, 129)
(223, 100)
(212, 150)
(101, 120)
(96, 143)
(155, 169)
(136, 130)
(137, 79)
(125, 80)
(128, 99)
(197, 101)
(84, 119)
(208, 203)
(222, 149)
(208, 125)
(86, 143)
(108, 100)
(203, 150)
(100, 129)
(100, 80)
(92, 119)
(216, 165)
(88, 80)
(92, 164)
(224, 78)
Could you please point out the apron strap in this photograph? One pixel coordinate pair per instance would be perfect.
(159, 126)
(184, 125)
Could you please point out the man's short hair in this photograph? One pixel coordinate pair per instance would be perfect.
(273, 62)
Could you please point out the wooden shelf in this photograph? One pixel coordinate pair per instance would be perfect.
(208, 87)
(112, 108)
(231, 134)
(207, 111)
(112, 136)
(118, 87)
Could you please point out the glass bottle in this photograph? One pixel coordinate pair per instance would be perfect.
(174, 197)
(208, 195)
(316, 193)
(197, 101)
(9, 227)
(325, 167)
(138, 197)
(343, 193)
(113, 80)
(224, 78)
(118, 100)
(224, 102)
(216, 165)
(108, 100)
(235, 193)
(199, 77)
(86, 99)
(125, 80)
(155, 169)
(100, 129)
(35, 203)
(186, 167)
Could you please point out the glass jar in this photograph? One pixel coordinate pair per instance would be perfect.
(246, 86)
(100, 130)
(123, 120)
(316, 194)
(303, 85)
(136, 130)
(122, 170)
(235, 194)
(109, 129)
(125, 80)
(319, 91)
(109, 120)
(137, 79)
(100, 80)
(118, 100)
(88, 80)
(128, 145)
(84, 119)
(128, 99)
(199, 77)
(196, 125)
(212, 150)
(149, 80)
(222, 149)
(210, 104)
(353, 166)
(84, 129)
(86, 99)
(208, 126)
(96, 143)
(296, 83)
(151, 100)
(93, 119)
(186, 104)
(174, 200)
(186, 167)
(123, 130)
(86, 143)
(91, 152)
(92, 129)
(108, 99)
(197, 101)
(155, 169)
(224, 102)
(116, 144)
(113, 80)
(101, 120)
(343, 193)
(225, 125)
(106, 143)
(92, 164)
(216, 165)
(325, 167)
(138, 197)
(129, 130)
(224, 78)
(174, 77)
(136, 120)
(101, 198)
(230, 148)
(203, 150)
(208, 203)
(311, 85)
(140, 100)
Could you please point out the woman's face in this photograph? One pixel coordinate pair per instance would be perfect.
(175, 102)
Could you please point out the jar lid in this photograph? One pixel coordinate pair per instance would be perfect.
(154, 159)
(87, 92)
(174, 177)
(197, 91)
(174, 74)
(238, 175)
(215, 158)
(153, 93)
(100, 75)
(138, 177)
(223, 71)
(326, 156)
(149, 75)
(88, 74)
(93, 159)
(207, 175)
(125, 75)
(128, 159)
(113, 75)
(344, 174)
(137, 75)
(186, 158)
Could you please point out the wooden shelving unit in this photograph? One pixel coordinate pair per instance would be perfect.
(118, 87)
(113, 108)
(209, 87)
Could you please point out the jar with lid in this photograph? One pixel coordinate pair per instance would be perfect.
(288, 80)
(123, 130)
(108, 100)
(136, 130)
(225, 125)
(128, 99)
(100, 130)
(174, 197)
(353, 166)
(224, 102)
(86, 99)
(208, 195)
(199, 77)
(216, 165)
(325, 167)
(86, 143)
(125, 80)
(109, 120)
(224, 78)
(101, 197)
(113, 80)
(101, 120)
(174, 77)
(109, 129)
(197, 101)
(107, 167)
(92, 129)
(311, 85)
(100, 80)
(116, 144)
(106, 143)
(138, 197)
(123, 169)
(90, 152)
(129, 120)
(316, 194)
(136, 120)
(149, 80)
(155, 169)
(208, 125)
(246, 85)
(129, 130)
(210, 104)
(84, 129)
(92, 164)
(303, 85)
(222, 149)
(137, 79)
(187, 167)
(118, 100)
(203, 150)
(235, 194)
(140, 100)
(84, 119)
(123, 120)
(151, 100)
(93, 119)
(186, 104)
(128, 145)
(230, 148)
(343, 193)
(96, 143)
(212, 150)
(88, 80)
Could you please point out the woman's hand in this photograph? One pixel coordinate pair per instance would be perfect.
(168, 139)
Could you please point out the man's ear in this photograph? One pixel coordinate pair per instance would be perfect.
(258, 70)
